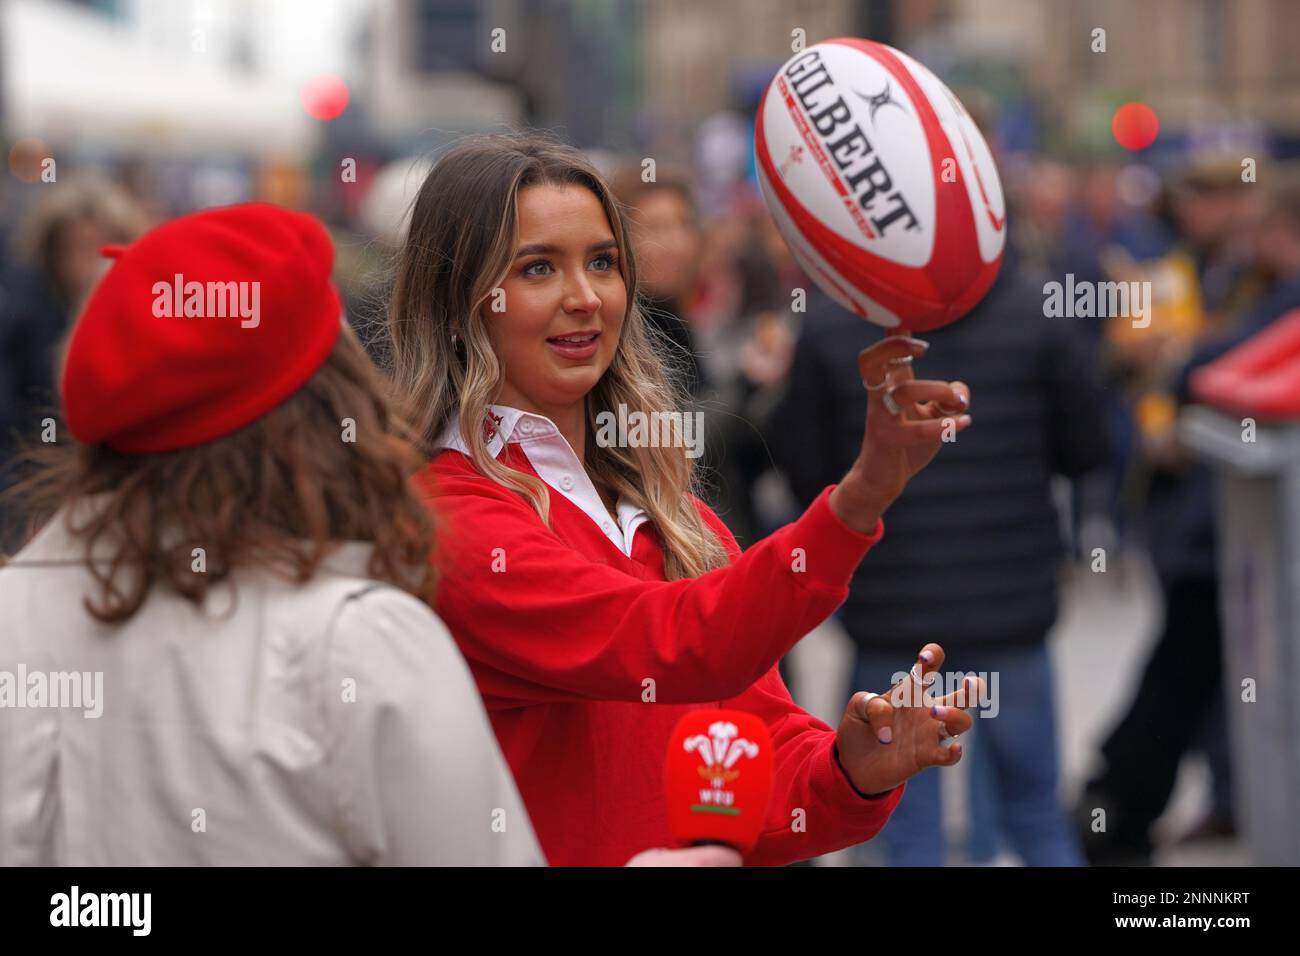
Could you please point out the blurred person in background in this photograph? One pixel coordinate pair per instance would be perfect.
(978, 551)
(1201, 283)
(1042, 194)
(1108, 229)
(1276, 247)
(1184, 670)
(53, 263)
(747, 357)
(731, 364)
(1104, 217)
(667, 239)
(1201, 287)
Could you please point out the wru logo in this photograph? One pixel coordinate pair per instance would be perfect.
(720, 750)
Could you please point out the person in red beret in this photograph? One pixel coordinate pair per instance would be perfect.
(596, 597)
(224, 652)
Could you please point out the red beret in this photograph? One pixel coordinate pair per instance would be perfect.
(201, 327)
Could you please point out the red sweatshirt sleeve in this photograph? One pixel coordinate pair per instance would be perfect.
(814, 809)
(541, 622)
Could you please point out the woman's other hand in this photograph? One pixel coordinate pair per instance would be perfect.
(885, 739)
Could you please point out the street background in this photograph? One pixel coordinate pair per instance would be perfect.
(151, 108)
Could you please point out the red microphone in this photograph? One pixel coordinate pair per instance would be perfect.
(718, 777)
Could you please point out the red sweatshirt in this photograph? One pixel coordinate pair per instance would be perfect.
(562, 631)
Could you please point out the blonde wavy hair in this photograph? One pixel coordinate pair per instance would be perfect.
(458, 249)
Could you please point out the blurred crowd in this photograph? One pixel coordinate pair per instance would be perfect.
(1088, 402)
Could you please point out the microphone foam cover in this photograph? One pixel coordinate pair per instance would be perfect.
(718, 777)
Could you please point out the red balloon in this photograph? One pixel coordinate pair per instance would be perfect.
(325, 97)
(1135, 126)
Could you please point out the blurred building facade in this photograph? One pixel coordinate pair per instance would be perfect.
(212, 78)
(694, 50)
(1196, 62)
(169, 76)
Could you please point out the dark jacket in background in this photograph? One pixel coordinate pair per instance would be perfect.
(1179, 514)
(972, 548)
(676, 344)
(32, 320)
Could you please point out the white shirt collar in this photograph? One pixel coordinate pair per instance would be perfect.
(551, 455)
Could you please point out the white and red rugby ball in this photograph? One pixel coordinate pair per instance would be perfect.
(880, 183)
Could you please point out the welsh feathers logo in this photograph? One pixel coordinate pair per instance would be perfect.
(718, 776)
(719, 752)
(795, 156)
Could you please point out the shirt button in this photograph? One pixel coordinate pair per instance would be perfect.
(567, 482)
(526, 426)
(609, 528)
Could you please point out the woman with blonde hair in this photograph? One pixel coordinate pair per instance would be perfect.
(596, 597)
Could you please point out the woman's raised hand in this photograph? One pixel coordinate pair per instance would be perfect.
(907, 421)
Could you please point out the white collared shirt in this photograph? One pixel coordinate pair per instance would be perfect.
(557, 464)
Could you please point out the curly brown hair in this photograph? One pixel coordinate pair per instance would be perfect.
(280, 493)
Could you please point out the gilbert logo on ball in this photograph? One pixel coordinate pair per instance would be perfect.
(881, 184)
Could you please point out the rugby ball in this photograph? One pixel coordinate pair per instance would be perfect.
(880, 184)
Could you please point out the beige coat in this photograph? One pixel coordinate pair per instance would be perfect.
(331, 723)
